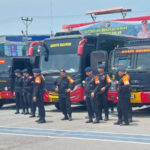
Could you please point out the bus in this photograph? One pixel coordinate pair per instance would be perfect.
(73, 53)
(13, 56)
(134, 55)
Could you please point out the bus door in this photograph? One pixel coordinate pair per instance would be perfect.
(99, 57)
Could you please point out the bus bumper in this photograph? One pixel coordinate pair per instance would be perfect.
(6, 95)
(142, 97)
(75, 96)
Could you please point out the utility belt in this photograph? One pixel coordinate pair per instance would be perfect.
(27, 89)
(18, 89)
(64, 94)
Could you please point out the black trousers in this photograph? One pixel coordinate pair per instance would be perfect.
(41, 107)
(65, 105)
(90, 107)
(18, 97)
(95, 104)
(102, 104)
(33, 107)
(27, 100)
(111, 105)
(123, 108)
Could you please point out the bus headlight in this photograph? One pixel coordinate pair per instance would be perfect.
(76, 87)
(6, 88)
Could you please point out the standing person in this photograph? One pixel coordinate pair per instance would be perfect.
(101, 91)
(27, 90)
(123, 96)
(38, 91)
(63, 86)
(89, 86)
(18, 90)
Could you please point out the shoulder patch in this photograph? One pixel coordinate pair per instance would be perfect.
(38, 80)
(71, 81)
(126, 79)
(108, 80)
(96, 80)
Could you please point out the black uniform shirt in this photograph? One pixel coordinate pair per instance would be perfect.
(104, 81)
(38, 86)
(63, 84)
(18, 84)
(89, 86)
(27, 84)
(124, 85)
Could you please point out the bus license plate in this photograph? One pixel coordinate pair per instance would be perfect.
(132, 96)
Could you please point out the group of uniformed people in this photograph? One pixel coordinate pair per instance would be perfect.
(29, 92)
(96, 88)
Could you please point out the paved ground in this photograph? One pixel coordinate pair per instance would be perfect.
(19, 132)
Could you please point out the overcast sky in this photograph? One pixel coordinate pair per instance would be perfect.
(63, 12)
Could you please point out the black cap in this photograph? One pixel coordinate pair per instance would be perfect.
(63, 70)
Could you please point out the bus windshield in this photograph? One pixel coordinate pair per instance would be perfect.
(69, 62)
(143, 61)
(132, 61)
(122, 60)
(62, 55)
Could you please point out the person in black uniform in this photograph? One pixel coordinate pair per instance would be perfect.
(101, 92)
(63, 86)
(38, 91)
(89, 86)
(117, 79)
(27, 90)
(123, 105)
(18, 91)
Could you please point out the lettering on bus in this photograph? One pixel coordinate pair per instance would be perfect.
(135, 51)
(60, 45)
(2, 61)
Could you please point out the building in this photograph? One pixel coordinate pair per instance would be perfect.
(21, 38)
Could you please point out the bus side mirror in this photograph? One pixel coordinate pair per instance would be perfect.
(46, 58)
(46, 52)
(10, 70)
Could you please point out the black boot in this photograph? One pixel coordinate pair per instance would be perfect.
(27, 112)
(101, 118)
(32, 116)
(23, 111)
(125, 124)
(89, 121)
(96, 121)
(17, 112)
(106, 118)
(38, 120)
(70, 118)
(65, 118)
(42, 120)
(119, 122)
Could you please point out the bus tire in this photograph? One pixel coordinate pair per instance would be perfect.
(57, 106)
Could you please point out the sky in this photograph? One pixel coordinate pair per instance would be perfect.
(50, 15)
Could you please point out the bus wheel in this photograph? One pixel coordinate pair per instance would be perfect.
(57, 106)
(1, 104)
